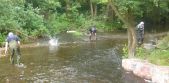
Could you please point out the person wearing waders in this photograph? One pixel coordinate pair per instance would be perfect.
(140, 33)
(13, 42)
(92, 31)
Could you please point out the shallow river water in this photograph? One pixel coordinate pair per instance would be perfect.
(72, 60)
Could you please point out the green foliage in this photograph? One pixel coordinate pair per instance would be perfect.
(57, 24)
(156, 56)
(2, 38)
(103, 1)
(125, 51)
(41, 18)
(159, 57)
(45, 5)
(7, 13)
(133, 7)
(140, 52)
(15, 17)
(164, 43)
(34, 23)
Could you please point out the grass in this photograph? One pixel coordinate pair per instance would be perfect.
(155, 56)
(159, 57)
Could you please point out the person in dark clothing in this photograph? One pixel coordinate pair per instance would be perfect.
(13, 42)
(140, 33)
(92, 31)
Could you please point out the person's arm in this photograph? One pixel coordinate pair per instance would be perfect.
(19, 42)
(17, 39)
(143, 29)
(137, 27)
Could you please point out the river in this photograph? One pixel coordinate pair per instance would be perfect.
(72, 60)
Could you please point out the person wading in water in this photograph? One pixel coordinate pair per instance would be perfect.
(92, 31)
(13, 42)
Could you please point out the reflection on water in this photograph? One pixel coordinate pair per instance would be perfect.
(69, 62)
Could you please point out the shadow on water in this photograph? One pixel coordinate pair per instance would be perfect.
(71, 61)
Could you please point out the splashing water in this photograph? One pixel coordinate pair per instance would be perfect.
(53, 42)
(53, 45)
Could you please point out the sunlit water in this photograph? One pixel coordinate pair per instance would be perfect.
(53, 42)
(69, 60)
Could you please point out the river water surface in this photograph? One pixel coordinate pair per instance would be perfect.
(72, 60)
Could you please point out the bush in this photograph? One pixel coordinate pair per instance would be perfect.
(164, 43)
(2, 39)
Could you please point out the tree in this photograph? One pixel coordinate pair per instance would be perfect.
(46, 7)
(126, 15)
(156, 12)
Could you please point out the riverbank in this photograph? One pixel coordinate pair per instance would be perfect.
(151, 59)
(147, 70)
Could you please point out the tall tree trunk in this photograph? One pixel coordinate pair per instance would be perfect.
(95, 9)
(67, 7)
(129, 22)
(91, 8)
(131, 42)
(108, 9)
(110, 13)
(131, 34)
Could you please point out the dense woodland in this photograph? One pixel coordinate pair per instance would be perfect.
(43, 18)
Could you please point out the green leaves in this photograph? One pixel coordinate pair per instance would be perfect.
(15, 17)
(132, 6)
(39, 17)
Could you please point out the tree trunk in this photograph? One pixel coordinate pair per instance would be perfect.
(131, 42)
(95, 10)
(110, 13)
(67, 7)
(129, 22)
(91, 8)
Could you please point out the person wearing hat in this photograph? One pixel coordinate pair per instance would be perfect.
(13, 42)
(140, 33)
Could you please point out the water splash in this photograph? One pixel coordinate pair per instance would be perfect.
(53, 45)
(53, 42)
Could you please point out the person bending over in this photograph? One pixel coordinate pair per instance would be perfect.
(13, 42)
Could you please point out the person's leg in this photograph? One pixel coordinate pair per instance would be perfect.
(95, 36)
(137, 35)
(139, 38)
(142, 37)
(90, 36)
(18, 55)
(12, 56)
